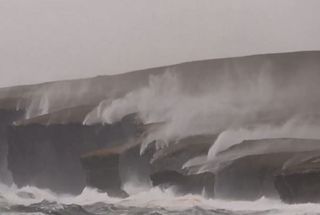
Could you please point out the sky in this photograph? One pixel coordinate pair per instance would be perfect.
(46, 40)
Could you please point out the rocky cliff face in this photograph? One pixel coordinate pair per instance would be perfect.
(298, 181)
(247, 171)
(109, 169)
(48, 155)
(46, 143)
(250, 177)
(7, 117)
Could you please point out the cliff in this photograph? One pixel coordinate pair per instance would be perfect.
(47, 155)
(47, 127)
(7, 117)
(298, 181)
(247, 170)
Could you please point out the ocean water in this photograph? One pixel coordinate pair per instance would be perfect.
(34, 201)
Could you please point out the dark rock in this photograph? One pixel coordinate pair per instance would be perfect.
(7, 117)
(108, 169)
(246, 171)
(102, 172)
(178, 153)
(135, 167)
(48, 155)
(202, 183)
(298, 182)
(250, 177)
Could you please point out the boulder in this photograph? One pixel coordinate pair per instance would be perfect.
(102, 171)
(250, 177)
(44, 150)
(202, 183)
(108, 169)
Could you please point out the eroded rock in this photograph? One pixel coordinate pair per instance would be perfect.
(299, 182)
(173, 156)
(48, 155)
(246, 171)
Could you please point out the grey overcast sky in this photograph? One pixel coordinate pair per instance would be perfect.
(44, 40)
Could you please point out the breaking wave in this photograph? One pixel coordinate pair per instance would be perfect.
(32, 200)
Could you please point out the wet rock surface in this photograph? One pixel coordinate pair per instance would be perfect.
(178, 153)
(299, 182)
(44, 148)
(247, 170)
(48, 156)
(103, 172)
(7, 117)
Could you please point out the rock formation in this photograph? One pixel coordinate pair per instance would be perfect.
(45, 152)
(8, 114)
(179, 152)
(246, 171)
(103, 172)
(49, 136)
(109, 169)
(298, 182)
(167, 166)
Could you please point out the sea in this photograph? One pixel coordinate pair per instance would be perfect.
(34, 201)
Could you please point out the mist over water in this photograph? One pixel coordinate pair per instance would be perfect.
(146, 202)
(293, 128)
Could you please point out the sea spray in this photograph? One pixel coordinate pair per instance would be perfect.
(296, 127)
(235, 102)
(151, 201)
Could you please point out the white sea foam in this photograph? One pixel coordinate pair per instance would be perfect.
(156, 198)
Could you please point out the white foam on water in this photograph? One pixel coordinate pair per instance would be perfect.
(156, 198)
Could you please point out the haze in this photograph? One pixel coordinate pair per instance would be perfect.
(45, 40)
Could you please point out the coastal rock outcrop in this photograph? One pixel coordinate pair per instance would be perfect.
(176, 154)
(8, 114)
(103, 172)
(298, 182)
(45, 151)
(110, 168)
(65, 120)
(246, 171)
(167, 166)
